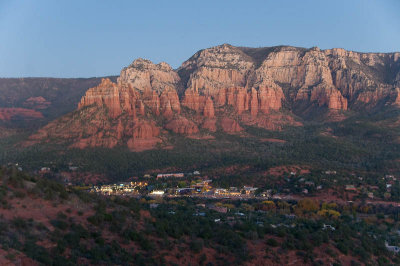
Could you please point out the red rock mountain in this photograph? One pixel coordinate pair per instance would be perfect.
(225, 88)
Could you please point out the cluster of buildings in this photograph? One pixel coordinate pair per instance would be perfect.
(234, 191)
(176, 175)
(201, 189)
(173, 175)
(204, 188)
(123, 188)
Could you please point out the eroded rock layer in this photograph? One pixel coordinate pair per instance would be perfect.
(225, 88)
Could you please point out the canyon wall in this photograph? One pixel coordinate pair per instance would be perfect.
(225, 88)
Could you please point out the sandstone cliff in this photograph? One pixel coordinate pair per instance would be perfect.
(226, 87)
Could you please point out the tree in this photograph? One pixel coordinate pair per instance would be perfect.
(308, 205)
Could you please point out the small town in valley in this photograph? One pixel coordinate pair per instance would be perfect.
(200, 188)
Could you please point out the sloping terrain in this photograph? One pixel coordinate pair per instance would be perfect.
(44, 223)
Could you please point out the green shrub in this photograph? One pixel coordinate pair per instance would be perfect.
(272, 242)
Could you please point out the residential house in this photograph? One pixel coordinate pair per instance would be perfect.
(350, 188)
(176, 175)
(249, 190)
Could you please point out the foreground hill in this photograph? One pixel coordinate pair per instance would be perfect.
(44, 223)
(224, 89)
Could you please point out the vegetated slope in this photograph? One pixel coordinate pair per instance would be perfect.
(42, 222)
(361, 144)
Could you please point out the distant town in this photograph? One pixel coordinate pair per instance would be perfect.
(202, 188)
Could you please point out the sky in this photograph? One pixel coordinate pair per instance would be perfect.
(88, 38)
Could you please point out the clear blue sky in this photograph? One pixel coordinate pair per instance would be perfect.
(86, 38)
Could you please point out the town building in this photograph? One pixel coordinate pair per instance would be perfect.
(176, 175)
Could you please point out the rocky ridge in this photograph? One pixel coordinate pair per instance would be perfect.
(225, 88)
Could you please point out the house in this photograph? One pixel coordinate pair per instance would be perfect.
(266, 194)
(221, 191)
(350, 188)
(176, 175)
(196, 173)
(276, 196)
(184, 191)
(394, 249)
(45, 169)
(328, 227)
(146, 176)
(329, 172)
(157, 193)
(73, 168)
(202, 186)
(153, 205)
(260, 224)
(290, 216)
(249, 190)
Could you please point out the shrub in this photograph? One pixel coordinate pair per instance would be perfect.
(272, 242)
(19, 223)
(62, 225)
(196, 245)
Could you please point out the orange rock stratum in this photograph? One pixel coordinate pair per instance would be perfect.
(224, 88)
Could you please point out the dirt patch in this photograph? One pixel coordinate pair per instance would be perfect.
(201, 137)
(273, 140)
(83, 177)
(233, 169)
(14, 257)
(285, 169)
(44, 211)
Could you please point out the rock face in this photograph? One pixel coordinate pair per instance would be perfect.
(143, 75)
(225, 87)
(37, 103)
(182, 126)
(230, 126)
(209, 108)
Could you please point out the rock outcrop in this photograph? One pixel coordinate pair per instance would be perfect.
(145, 136)
(230, 125)
(224, 87)
(182, 125)
(143, 75)
(209, 108)
(37, 103)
